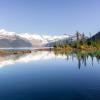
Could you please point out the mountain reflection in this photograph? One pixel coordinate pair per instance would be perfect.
(82, 57)
(25, 58)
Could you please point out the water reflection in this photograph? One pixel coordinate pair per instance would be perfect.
(44, 75)
(26, 58)
(81, 57)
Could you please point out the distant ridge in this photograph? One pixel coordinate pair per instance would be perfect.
(24, 40)
(95, 37)
(28, 40)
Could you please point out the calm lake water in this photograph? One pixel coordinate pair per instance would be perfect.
(44, 75)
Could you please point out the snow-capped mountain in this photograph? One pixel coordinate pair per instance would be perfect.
(10, 39)
(15, 40)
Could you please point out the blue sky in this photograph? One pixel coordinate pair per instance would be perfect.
(50, 16)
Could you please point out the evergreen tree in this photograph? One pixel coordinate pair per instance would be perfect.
(77, 41)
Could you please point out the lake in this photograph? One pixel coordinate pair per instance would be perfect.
(45, 75)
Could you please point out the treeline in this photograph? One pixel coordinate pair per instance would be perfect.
(81, 43)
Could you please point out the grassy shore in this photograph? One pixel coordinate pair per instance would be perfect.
(82, 48)
(75, 46)
(9, 52)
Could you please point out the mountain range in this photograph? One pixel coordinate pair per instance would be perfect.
(26, 40)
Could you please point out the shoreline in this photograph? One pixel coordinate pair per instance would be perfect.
(11, 52)
(69, 49)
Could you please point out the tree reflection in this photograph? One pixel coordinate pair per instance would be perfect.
(81, 56)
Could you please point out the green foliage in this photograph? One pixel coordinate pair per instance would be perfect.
(88, 43)
(80, 43)
(77, 41)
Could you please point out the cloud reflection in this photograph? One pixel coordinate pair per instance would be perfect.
(26, 58)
